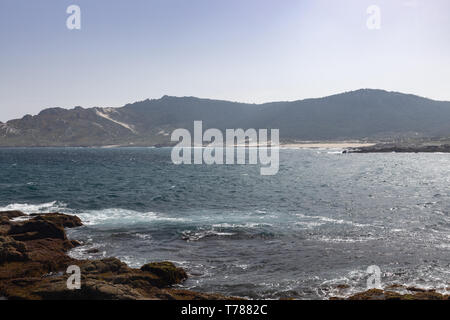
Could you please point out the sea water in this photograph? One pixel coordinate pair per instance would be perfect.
(309, 232)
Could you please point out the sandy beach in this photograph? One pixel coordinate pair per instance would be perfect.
(325, 145)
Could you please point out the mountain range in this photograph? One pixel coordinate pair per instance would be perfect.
(365, 114)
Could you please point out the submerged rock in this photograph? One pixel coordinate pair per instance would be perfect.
(93, 250)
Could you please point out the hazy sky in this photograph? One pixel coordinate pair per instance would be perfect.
(240, 50)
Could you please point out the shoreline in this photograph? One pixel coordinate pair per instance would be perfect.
(34, 260)
(401, 148)
(34, 266)
(282, 145)
(326, 145)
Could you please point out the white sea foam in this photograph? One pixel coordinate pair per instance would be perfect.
(122, 217)
(53, 206)
(216, 230)
(308, 225)
(331, 220)
(195, 236)
(93, 217)
(242, 225)
(346, 240)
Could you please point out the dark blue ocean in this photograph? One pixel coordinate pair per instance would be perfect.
(308, 232)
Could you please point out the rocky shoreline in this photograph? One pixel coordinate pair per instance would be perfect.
(400, 148)
(34, 261)
(33, 264)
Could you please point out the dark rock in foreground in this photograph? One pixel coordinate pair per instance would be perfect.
(166, 270)
(33, 264)
(11, 250)
(62, 220)
(420, 294)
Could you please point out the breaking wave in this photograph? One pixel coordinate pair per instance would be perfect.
(27, 208)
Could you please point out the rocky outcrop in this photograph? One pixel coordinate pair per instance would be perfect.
(166, 270)
(11, 250)
(33, 264)
(36, 229)
(62, 220)
(402, 148)
(11, 214)
(5, 216)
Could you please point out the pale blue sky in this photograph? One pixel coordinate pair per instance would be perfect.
(239, 50)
